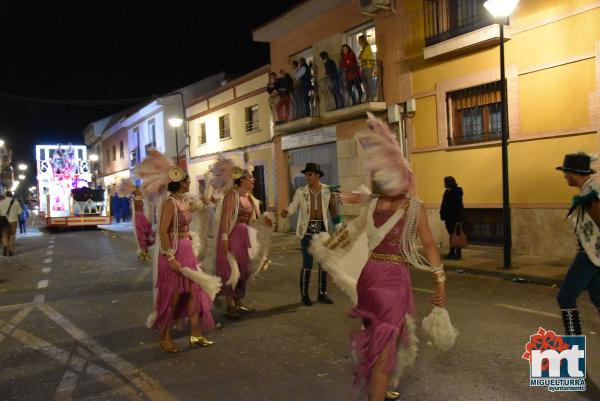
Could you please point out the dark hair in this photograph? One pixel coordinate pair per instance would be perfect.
(324, 55)
(347, 47)
(175, 186)
(450, 182)
(238, 181)
(295, 63)
(8, 194)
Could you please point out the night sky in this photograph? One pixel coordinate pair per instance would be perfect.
(112, 50)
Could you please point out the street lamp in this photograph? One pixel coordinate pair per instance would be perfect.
(21, 177)
(501, 10)
(176, 122)
(1, 143)
(93, 157)
(22, 167)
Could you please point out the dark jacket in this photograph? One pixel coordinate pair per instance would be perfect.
(452, 205)
(330, 69)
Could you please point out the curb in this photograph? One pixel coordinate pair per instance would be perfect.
(507, 275)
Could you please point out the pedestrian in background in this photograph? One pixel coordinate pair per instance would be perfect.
(367, 65)
(584, 213)
(10, 209)
(125, 208)
(23, 216)
(115, 205)
(451, 212)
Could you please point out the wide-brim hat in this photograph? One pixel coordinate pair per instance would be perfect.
(314, 168)
(578, 163)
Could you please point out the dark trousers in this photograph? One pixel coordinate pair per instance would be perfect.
(314, 227)
(22, 226)
(582, 274)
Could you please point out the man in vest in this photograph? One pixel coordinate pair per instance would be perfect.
(584, 272)
(312, 202)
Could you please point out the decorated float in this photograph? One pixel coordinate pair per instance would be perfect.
(65, 196)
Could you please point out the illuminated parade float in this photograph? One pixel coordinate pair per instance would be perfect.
(63, 175)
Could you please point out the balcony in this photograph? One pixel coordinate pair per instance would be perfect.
(133, 158)
(342, 100)
(327, 101)
(452, 26)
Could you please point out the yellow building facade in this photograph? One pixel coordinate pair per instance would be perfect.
(233, 120)
(441, 66)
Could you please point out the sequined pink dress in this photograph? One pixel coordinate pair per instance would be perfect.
(384, 299)
(170, 283)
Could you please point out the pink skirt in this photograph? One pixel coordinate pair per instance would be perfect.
(143, 231)
(239, 244)
(170, 283)
(384, 299)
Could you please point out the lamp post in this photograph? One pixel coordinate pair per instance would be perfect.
(22, 167)
(21, 177)
(501, 10)
(1, 143)
(175, 122)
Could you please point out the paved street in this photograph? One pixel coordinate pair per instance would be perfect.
(73, 306)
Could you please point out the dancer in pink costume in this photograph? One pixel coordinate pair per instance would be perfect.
(369, 259)
(182, 291)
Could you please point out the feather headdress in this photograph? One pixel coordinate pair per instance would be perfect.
(223, 172)
(157, 170)
(384, 159)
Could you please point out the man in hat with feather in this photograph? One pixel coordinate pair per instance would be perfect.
(584, 213)
(312, 202)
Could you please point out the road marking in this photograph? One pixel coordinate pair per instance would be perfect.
(15, 306)
(50, 253)
(67, 385)
(151, 388)
(50, 246)
(39, 299)
(20, 316)
(46, 270)
(42, 284)
(424, 290)
(48, 260)
(51, 241)
(527, 310)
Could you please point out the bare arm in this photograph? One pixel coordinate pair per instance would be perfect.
(432, 254)
(166, 220)
(291, 209)
(226, 218)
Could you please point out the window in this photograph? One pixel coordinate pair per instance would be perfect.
(224, 131)
(151, 134)
(114, 158)
(368, 31)
(202, 134)
(107, 160)
(475, 115)
(133, 158)
(121, 151)
(252, 119)
(446, 19)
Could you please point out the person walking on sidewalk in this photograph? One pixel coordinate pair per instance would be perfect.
(312, 201)
(585, 215)
(451, 212)
(23, 216)
(10, 209)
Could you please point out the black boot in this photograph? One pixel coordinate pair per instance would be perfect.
(322, 285)
(304, 282)
(571, 321)
(451, 253)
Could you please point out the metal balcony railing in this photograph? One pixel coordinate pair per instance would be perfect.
(292, 105)
(446, 19)
(252, 126)
(338, 93)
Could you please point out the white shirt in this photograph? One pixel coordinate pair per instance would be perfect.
(15, 210)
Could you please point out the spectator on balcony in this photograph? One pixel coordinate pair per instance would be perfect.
(274, 97)
(304, 77)
(285, 86)
(333, 79)
(367, 66)
(349, 64)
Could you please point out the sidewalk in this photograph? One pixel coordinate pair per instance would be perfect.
(477, 259)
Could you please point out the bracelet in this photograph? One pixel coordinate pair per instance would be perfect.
(224, 237)
(170, 257)
(168, 251)
(439, 274)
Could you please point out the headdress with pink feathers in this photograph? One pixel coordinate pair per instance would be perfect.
(157, 170)
(224, 172)
(384, 159)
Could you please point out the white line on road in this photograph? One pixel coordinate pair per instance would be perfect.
(39, 299)
(50, 253)
(527, 310)
(150, 387)
(46, 270)
(51, 241)
(50, 246)
(65, 389)
(15, 306)
(42, 284)
(48, 260)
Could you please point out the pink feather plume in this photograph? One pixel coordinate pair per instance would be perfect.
(154, 171)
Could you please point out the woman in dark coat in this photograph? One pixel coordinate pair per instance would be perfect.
(451, 211)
